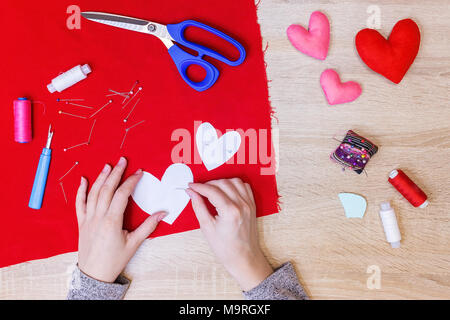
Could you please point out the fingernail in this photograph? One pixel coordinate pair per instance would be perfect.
(138, 171)
(106, 168)
(162, 215)
(190, 184)
(122, 161)
(82, 180)
(189, 192)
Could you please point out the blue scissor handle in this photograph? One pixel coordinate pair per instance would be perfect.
(176, 31)
(183, 60)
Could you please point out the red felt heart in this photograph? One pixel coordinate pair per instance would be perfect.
(392, 57)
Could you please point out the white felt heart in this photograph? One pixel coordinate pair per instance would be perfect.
(152, 195)
(216, 151)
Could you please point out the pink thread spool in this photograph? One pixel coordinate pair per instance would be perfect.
(22, 120)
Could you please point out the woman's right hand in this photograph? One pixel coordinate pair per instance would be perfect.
(232, 234)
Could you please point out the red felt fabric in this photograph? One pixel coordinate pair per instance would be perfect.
(37, 46)
(392, 57)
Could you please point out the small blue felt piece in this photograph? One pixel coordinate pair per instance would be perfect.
(354, 205)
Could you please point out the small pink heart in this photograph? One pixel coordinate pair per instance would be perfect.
(315, 41)
(337, 92)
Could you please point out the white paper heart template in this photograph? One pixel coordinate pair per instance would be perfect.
(216, 151)
(152, 195)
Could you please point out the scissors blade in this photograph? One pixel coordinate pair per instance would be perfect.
(115, 20)
(132, 24)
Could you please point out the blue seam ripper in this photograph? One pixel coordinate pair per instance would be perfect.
(40, 179)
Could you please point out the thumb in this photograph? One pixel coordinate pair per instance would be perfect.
(201, 211)
(146, 228)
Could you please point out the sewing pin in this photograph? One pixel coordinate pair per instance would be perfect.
(128, 129)
(75, 146)
(123, 140)
(115, 93)
(90, 134)
(64, 193)
(131, 90)
(61, 100)
(134, 125)
(76, 163)
(110, 101)
(70, 114)
(78, 105)
(134, 95)
(126, 118)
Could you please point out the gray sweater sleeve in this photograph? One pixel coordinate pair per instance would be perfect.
(283, 284)
(83, 287)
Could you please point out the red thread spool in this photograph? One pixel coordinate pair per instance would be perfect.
(22, 120)
(408, 189)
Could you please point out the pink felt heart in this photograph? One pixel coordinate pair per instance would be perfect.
(337, 92)
(315, 41)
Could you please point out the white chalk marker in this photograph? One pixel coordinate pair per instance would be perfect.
(390, 225)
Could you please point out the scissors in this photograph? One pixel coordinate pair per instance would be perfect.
(171, 33)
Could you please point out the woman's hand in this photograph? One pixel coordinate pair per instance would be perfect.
(104, 248)
(232, 234)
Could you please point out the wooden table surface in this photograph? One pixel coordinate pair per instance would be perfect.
(332, 254)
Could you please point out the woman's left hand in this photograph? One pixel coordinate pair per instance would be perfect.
(104, 248)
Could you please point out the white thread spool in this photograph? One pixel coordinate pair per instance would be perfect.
(69, 78)
(390, 225)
